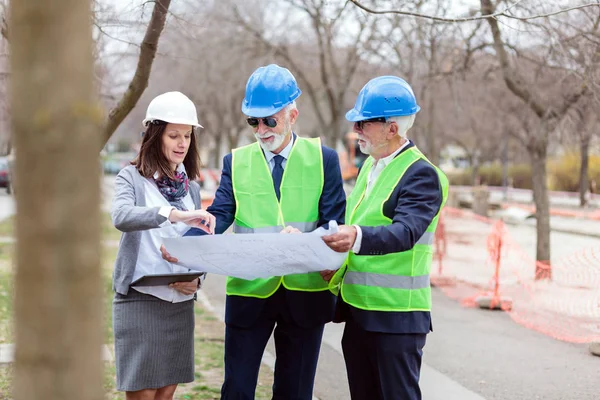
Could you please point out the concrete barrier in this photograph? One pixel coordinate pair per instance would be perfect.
(595, 348)
(481, 197)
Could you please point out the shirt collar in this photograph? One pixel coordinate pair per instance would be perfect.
(285, 153)
(180, 168)
(386, 160)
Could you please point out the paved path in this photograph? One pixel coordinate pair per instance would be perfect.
(525, 196)
(332, 382)
(7, 205)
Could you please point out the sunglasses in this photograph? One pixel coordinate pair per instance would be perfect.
(360, 124)
(267, 121)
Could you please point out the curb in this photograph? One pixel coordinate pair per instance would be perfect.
(595, 348)
(7, 353)
(578, 233)
(559, 230)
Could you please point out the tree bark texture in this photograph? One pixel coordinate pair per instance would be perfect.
(542, 203)
(56, 120)
(584, 181)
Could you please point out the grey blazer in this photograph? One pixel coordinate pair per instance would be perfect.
(130, 215)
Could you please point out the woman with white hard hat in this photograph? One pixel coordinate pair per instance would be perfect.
(156, 197)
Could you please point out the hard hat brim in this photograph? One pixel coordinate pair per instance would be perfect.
(173, 121)
(354, 115)
(261, 112)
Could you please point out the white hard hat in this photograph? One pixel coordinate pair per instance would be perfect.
(173, 107)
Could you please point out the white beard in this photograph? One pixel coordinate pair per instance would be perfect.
(369, 147)
(277, 140)
(274, 145)
(366, 149)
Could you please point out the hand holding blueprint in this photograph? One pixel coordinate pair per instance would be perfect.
(259, 255)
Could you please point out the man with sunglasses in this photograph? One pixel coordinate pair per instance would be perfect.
(281, 181)
(392, 214)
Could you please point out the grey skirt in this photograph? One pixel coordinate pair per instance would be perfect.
(154, 341)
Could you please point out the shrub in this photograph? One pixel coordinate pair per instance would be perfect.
(460, 178)
(564, 172)
(520, 175)
(491, 175)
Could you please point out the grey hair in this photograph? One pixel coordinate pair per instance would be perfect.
(288, 109)
(404, 124)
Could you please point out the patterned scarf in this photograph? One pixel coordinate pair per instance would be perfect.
(174, 190)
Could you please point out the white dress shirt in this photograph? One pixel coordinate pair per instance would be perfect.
(150, 260)
(285, 153)
(376, 169)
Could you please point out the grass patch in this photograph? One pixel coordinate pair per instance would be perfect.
(109, 232)
(5, 382)
(6, 255)
(5, 308)
(7, 226)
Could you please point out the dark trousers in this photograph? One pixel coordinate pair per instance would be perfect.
(382, 366)
(297, 352)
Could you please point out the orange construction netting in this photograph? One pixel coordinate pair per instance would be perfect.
(478, 257)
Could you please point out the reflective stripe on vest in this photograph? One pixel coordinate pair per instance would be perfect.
(387, 281)
(426, 239)
(259, 211)
(393, 281)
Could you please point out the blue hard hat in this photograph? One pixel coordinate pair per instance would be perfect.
(269, 90)
(384, 96)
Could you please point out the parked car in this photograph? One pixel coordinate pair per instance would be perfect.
(5, 174)
(112, 166)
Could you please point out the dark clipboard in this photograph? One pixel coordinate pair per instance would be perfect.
(166, 279)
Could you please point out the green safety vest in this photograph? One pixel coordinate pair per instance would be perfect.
(259, 211)
(394, 281)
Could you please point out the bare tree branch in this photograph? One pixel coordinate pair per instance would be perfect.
(102, 31)
(277, 50)
(4, 23)
(139, 81)
(512, 79)
(503, 13)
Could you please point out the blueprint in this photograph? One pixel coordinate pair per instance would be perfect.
(260, 255)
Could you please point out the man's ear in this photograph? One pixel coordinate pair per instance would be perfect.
(393, 130)
(293, 116)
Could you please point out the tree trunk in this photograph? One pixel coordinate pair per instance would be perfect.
(505, 166)
(56, 123)
(475, 164)
(217, 153)
(338, 134)
(234, 137)
(328, 134)
(583, 170)
(431, 133)
(542, 206)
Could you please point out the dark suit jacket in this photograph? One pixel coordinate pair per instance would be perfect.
(306, 308)
(412, 206)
